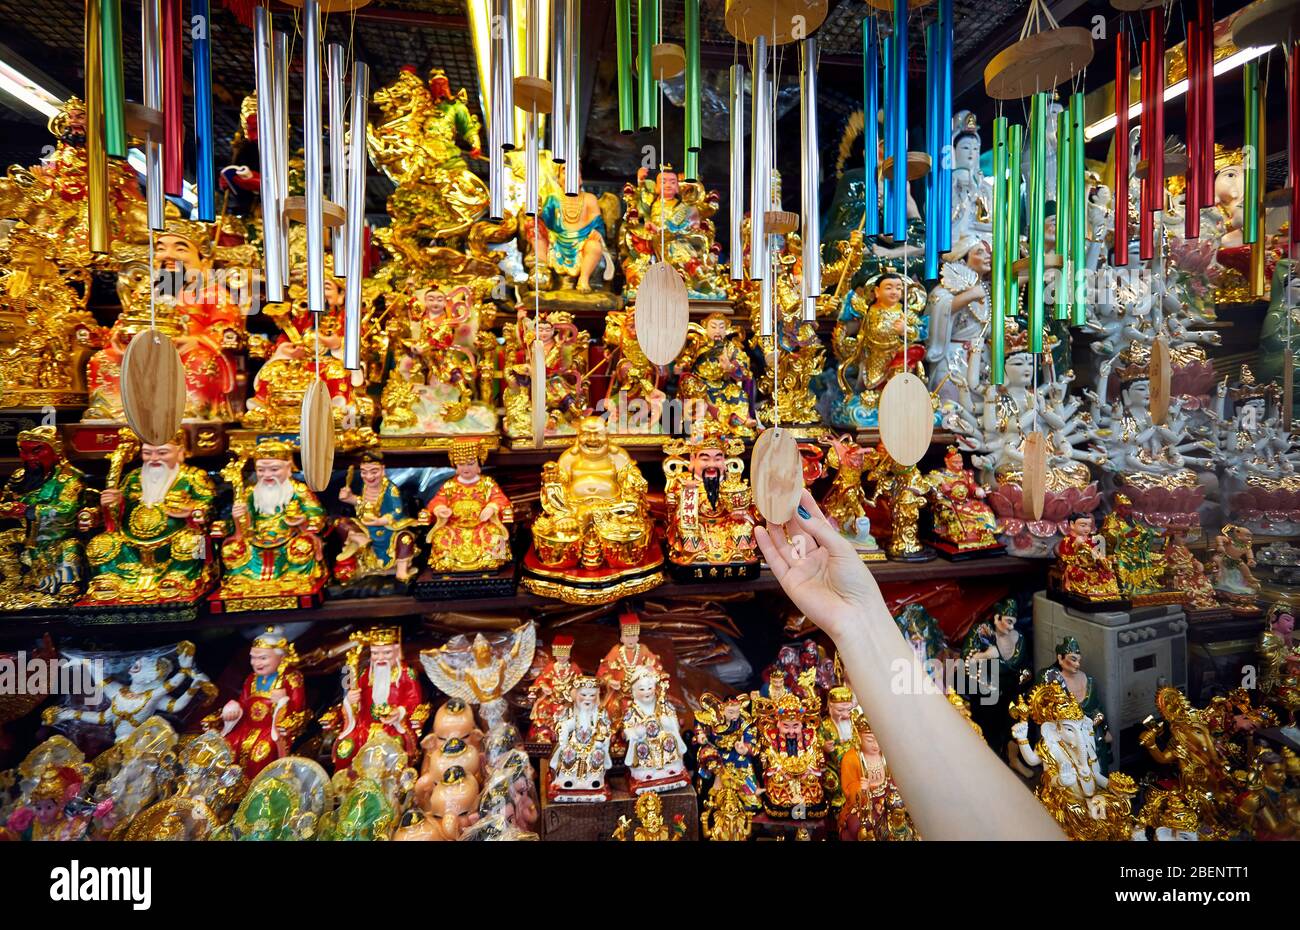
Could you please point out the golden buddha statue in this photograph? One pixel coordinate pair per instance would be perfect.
(595, 526)
(668, 219)
(711, 516)
(564, 350)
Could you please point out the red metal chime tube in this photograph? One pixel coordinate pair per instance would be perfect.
(1195, 137)
(1145, 224)
(1120, 249)
(1206, 48)
(1157, 166)
(173, 81)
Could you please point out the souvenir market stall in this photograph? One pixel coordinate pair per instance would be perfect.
(391, 393)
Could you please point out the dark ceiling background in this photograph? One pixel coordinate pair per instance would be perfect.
(389, 34)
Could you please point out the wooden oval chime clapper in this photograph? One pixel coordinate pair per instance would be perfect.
(537, 391)
(776, 470)
(1033, 486)
(1160, 374)
(153, 386)
(906, 418)
(316, 436)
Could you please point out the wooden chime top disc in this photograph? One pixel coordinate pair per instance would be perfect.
(918, 166)
(780, 222)
(1161, 375)
(295, 211)
(776, 471)
(906, 418)
(1051, 260)
(316, 436)
(888, 5)
(1267, 22)
(332, 6)
(533, 94)
(153, 387)
(1033, 484)
(537, 393)
(667, 61)
(1175, 165)
(1038, 62)
(662, 313)
(1132, 6)
(142, 121)
(779, 21)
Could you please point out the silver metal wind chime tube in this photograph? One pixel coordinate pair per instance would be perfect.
(507, 20)
(573, 147)
(356, 227)
(264, 67)
(336, 62)
(280, 139)
(496, 122)
(560, 60)
(150, 42)
(532, 60)
(810, 170)
(313, 148)
(736, 219)
(760, 181)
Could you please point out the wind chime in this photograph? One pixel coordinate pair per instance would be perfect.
(340, 217)
(152, 376)
(1266, 24)
(765, 28)
(1045, 56)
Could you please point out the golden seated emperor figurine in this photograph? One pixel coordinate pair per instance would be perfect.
(594, 542)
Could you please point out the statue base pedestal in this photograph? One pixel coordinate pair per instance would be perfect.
(433, 586)
(568, 821)
(660, 785)
(1207, 615)
(205, 437)
(369, 586)
(591, 586)
(434, 442)
(924, 554)
(954, 553)
(93, 613)
(771, 828)
(222, 602)
(704, 572)
(1088, 605)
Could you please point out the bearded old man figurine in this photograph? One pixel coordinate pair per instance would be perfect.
(273, 557)
(582, 751)
(655, 748)
(153, 549)
(378, 540)
(710, 513)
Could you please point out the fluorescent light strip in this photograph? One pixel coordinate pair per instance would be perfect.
(1173, 91)
(19, 86)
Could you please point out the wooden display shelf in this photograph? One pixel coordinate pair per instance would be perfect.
(16, 626)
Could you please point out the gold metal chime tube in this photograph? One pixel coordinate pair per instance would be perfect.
(573, 147)
(313, 156)
(336, 71)
(151, 48)
(263, 50)
(809, 175)
(736, 219)
(356, 223)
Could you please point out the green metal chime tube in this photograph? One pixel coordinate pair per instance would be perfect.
(1078, 214)
(694, 137)
(626, 92)
(647, 30)
(1250, 227)
(110, 18)
(1015, 138)
(1001, 257)
(1037, 215)
(1064, 219)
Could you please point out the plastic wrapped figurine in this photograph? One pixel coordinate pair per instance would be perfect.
(286, 801)
(371, 793)
(488, 675)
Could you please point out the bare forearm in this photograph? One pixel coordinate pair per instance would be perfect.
(954, 787)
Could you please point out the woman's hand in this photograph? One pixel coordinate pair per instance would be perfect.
(819, 570)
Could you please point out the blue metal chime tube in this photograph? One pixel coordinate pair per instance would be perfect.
(898, 211)
(945, 122)
(204, 142)
(871, 125)
(935, 148)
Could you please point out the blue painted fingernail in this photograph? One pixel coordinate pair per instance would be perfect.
(804, 513)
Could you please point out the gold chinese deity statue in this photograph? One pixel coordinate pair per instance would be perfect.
(1087, 804)
(1182, 738)
(440, 376)
(582, 747)
(47, 334)
(1137, 552)
(378, 537)
(552, 692)
(153, 548)
(564, 351)
(1279, 659)
(594, 541)
(876, 336)
(846, 502)
(192, 304)
(572, 236)
(1186, 574)
(872, 807)
(209, 787)
(310, 347)
(273, 554)
(963, 523)
(714, 371)
(635, 398)
(905, 489)
(371, 793)
(1234, 558)
(650, 817)
(1083, 571)
(671, 220)
(469, 514)
(793, 764)
(711, 516)
(42, 562)
(1267, 810)
(655, 756)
